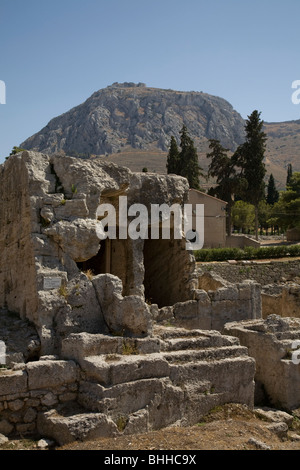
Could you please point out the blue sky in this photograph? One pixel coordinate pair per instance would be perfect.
(55, 54)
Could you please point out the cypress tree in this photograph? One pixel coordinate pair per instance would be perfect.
(188, 160)
(289, 174)
(173, 157)
(272, 193)
(184, 163)
(250, 157)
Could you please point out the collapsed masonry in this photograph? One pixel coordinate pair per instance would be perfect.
(127, 334)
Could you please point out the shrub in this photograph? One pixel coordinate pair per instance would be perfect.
(248, 253)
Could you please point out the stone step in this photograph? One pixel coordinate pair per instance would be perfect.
(221, 379)
(205, 354)
(288, 335)
(127, 397)
(198, 342)
(79, 345)
(131, 408)
(66, 425)
(181, 338)
(166, 332)
(109, 370)
(114, 369)
(223, 375)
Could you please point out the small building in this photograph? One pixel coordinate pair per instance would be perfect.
(214, 218)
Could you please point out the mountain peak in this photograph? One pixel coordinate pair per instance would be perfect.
(129, 115)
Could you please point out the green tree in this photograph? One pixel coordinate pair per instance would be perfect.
(250, 157)
(16, 150)
(264, 214)
(188, 160)
(184, 163)
(243, 216)
(272, 193)
(294, 184)
(289, 174)
(286, 212)
(228, 182)
(173, 157)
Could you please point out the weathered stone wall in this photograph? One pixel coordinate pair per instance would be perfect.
(215, 303)
(33, 388)
(263, 272)
(17, 215)
(284, 300)
(271, 343)
(48, 232)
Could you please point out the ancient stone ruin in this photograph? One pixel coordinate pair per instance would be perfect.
(109, 336)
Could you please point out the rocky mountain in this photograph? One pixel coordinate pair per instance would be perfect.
(131, 124)
(133, 116)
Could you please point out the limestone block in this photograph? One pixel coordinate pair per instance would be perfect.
(269, 341)
(210, 281)
(42, 245)
(77, 314)
(81, 426)
(71, 208)
(15, 381)
(201, 294)
(224, 293)
(53, 200)
(78, 238)
(134, 368)
(129, 315)
(50, 374)
(137, 422)
(79, 345)
(165, 313)
(205, 314)
(186, 310)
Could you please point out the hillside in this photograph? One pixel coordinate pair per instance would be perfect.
(283, 147)
(131, 124)
(135, 116)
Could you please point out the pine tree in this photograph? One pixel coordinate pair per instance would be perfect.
(272, 193)
(173, 157)
(250, 157)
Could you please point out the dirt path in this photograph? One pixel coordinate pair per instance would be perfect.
(231, 427)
